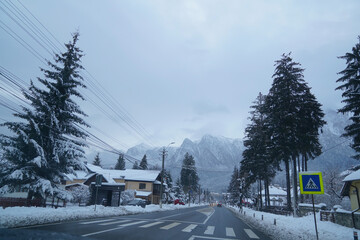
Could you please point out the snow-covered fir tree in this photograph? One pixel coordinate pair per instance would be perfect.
(120, 164)
(143, 164)
(48, 141)
(350, 85)
(136, 165)
(234, 187)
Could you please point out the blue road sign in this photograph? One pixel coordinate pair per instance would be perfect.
(311, 183)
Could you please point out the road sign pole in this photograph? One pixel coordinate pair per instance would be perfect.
(317, 235)
(97, 188)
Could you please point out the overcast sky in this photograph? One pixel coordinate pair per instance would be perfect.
(183, 69)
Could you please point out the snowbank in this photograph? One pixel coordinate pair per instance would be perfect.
(288, 227)
(25, 216)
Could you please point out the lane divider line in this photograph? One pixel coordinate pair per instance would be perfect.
(130, 224)
(167, 227)
(151, 224)
(109, 223)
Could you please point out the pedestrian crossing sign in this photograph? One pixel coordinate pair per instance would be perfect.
(311, 183)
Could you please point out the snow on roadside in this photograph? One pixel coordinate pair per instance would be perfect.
(25, 216)
(288, 227)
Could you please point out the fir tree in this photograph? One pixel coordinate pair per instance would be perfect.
(288, 103)
(143, 163)
(48, 142)
(350, 85)
(136, 165)
(97, 160)
(188, 175)
(120, 164)
(234, 187)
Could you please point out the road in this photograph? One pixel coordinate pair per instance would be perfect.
(198, 223)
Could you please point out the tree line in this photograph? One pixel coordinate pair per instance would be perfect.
(285, 125)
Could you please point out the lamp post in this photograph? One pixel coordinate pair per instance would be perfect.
(162, 172)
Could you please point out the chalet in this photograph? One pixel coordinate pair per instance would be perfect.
(351, 189)
(146, 183)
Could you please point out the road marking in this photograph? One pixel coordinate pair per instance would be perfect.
(167, 227)
(108, 230)
(171, 216)
(109, 223)
(151, 224)
(210, 230)
(130, 224)
(209, 216)
(189, 228)
(193, 237)
(98, 221)
(251, 234)
(230, 232)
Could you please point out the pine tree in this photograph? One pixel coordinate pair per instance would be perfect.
(49, 141)
(234, 187)
(188, 175)
(288, 104)
(136, 165)
(97, 160)
(350, 85)
(120, 164)
(143, 163)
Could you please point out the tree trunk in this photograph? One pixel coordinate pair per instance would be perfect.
(288, 186)
(260, 196)
(295, 192)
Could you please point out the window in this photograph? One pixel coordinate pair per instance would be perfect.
(142, 185)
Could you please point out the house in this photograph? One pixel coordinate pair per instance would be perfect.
(277, 195)
(146, 183)
(351, 189)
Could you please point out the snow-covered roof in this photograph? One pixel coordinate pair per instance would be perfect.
(127, 174)
(275, 191)
(79, 175)
(352, 176)
(142, 193)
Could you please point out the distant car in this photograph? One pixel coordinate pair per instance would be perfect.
(137, 202)
(219, 205)
(178, 201)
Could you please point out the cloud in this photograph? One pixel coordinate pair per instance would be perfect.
(207, 109)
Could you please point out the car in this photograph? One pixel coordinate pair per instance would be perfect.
(219, 205)
(178, 201)
(137, 202)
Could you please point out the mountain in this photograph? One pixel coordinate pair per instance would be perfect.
(216, 156)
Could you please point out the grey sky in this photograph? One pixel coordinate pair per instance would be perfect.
(188, 68)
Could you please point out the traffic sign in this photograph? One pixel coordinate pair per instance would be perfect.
(311, 183)
(98, 180)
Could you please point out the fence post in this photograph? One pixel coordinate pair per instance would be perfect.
(274, 221)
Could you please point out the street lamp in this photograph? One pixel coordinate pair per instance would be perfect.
(162, 172)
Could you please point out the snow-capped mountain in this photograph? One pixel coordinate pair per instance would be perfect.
(216, 156)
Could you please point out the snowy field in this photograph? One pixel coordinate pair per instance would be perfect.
(25, 216)
(288, 227)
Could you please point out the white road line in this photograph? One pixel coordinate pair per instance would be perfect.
(208, 217)
(130, 224)
(167, 227)
(189, 228)
(109, 223)
(230, 232)
(193, 237)
(151, 224)
(98, 221)
(107, 230)
(251, 234)
(210, 230)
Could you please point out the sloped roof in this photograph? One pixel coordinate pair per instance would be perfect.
(352, 176)
(79, 175)
(275, 191)
(127, 174)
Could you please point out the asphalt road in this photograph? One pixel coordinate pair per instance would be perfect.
(199, 223)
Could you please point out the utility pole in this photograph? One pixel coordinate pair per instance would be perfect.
(162, 175)
(162, 171)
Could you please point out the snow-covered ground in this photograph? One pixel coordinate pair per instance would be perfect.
(25, 216)
(288, 227)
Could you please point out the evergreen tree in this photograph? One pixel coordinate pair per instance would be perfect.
(120, 164)
(48, 142)
(97, 161)
(188, 175)
(234, 187)
(168, 179)
(143, 163)
(178, 189)
(350, 85)
(136, 165)
(288, 101)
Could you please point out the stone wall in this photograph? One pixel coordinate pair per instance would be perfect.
(345, 219)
